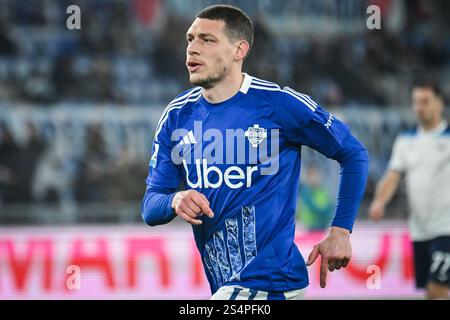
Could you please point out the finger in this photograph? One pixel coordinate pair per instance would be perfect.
(204, 198)
(345, 262)
(188, 219)
(200, 197)
(188, 211)
(338, 264)
(194, 207)
(204, 206)
(313, 256)
(376, 215)
(323, 272)
(331, 265)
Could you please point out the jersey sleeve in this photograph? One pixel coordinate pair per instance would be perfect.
(163, 173)
(163, 179)
(304, 122)
(398, 161)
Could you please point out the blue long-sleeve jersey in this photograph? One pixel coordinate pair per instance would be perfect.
(243, 154)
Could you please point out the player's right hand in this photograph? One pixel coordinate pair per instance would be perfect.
(376, 211)
(191, 204)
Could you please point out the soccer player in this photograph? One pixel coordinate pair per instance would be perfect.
(234, 143)
(423, 156)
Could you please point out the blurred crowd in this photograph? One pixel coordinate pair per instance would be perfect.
(132, 52)
(43, 166)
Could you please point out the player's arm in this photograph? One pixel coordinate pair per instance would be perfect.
(306, 123)
(162, 206)
(162, 181)
(388, 184)
(386, 188)
(161, 203)
(335, 250)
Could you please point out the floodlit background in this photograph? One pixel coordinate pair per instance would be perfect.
(78, 109)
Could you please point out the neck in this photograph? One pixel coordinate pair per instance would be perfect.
(429, 126)
(225, 89)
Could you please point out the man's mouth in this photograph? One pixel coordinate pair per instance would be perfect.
(193, 66)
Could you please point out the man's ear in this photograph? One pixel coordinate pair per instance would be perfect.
(242, 50)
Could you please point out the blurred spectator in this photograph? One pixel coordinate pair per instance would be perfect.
(30, 154)
(18, 163)
(98, 84)
(168, 56)
(120, 183)
(262, 61)
(95, 166)
(31, 13)
(9, 153)
(63, 77)
(7, 45)
(434, 53)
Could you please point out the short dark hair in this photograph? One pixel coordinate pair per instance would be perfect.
(237, 24)
(427, 84)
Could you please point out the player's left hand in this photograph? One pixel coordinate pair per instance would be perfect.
(335, 251)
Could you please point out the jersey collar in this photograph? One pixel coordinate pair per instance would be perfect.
(246, 83)
(436, 131)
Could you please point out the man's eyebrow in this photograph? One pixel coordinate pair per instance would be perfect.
(201, 35)
(205, 34)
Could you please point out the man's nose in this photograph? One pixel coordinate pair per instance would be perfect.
(192, 48)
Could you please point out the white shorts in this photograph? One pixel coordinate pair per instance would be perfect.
(241, 293)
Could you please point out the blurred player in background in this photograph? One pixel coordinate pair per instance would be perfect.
(423, 156)
(243, 216)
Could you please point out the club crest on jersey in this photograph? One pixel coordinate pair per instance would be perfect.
(255, 135)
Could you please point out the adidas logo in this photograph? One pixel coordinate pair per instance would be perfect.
(188, 139)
